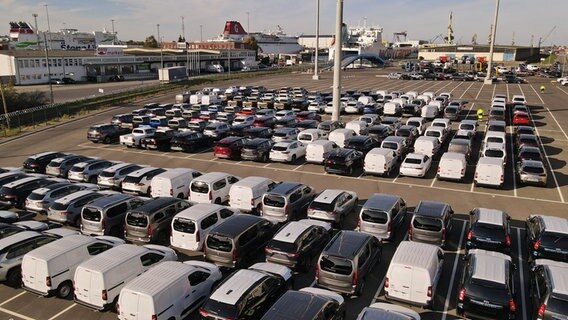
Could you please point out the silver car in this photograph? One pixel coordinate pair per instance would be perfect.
(41, 199)
(333, 205)
(532, 172)
(67, 210)
(431, 223)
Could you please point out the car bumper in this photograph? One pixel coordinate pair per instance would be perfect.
(428, 303)
(93, 306)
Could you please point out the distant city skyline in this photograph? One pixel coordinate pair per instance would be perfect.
(422, 20)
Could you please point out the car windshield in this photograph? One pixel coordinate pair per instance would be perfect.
(530, 155)
(433, 133)
(390, 145)
(374, 216)
(305, 137)
(451, 110)
(413, 123)
(413, 161)
(485, 230)
(220, 243)
(467, 127)
(183, 225)
(495, 139)
(427, 223)
(274, 201)
(403, 133)
(199, 187)
(325, 127)
(555, 240)
(336, 265)
(136, 219)
(91, 214)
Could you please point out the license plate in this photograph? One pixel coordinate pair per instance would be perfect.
(176, 148)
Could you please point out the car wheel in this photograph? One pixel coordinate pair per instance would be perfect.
(115, 232)
(14, 277)
(93, 180)
(218, 201)
(149, 192)
(77, 222)
(180, 196)
(264, 158)
(258, 210)
(106, 140)
(293, 159)
(64, 290)
(163, 238)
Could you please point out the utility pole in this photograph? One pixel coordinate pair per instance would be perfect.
(201, 32)
(488, 79)
(48, 25)
(248, 22)
(36, 29)
(337, 62)
(161, 53)
(4, 103)
(186, 46)
(113, 34)
(316, 75)
(48, 70)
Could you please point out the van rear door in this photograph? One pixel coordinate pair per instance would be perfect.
(89, 287)
(34, 273)
(420, 284)
(184, 234)
(135, 306)
(400, 282)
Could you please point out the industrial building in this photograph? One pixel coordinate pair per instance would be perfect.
(500, 53)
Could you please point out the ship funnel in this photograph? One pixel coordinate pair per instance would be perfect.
(234, 27)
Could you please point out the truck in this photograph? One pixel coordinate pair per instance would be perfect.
(134, 139)
(172, 74)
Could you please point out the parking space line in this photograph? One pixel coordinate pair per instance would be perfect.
(521, 272)
(433, 181)
(63, 311)
(513, 159)
(452, 278)
(298, 167)
(14, 297)
(557, 123)
(15, 314)
(266, 165)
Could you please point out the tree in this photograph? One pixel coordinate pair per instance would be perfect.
(252, 44)
(150, 42)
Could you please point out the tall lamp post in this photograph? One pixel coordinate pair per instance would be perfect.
(337, 62)
(488, 79)
(48, 69)
(316, 75)
(161, 53)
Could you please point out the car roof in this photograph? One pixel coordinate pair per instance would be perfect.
(328, 195)
(236, 224)
(155, 204)
(161, 276)
(17, 237)
(430, 208)
(73, 196)
(396, 139)
(558, 272)
(490, 266)
(284, 188)
(231, 291)
(415, 254)
(141, 172)
(346, 243)
(381, 201)
(490, 216)
(111, 199)
(532, 163)
(211, 177)
(341, 152)
(291, 232)
(297, 305)
(555, 224)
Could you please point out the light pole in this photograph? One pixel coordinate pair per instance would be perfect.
(48, 70)
(4, 104)
(161, 53)
(337, 62)
(36, 29)
(248, 21)
(201, 32)
(113, 34)
(48, 26)
(488, 79)
(316, 75)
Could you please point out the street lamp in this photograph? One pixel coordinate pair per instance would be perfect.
(316, 75)
(488, 79)
(161, 53)
(337, 62)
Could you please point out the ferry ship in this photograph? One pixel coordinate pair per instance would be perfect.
(269, 43)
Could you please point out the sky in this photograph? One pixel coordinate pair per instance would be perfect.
(421, 19)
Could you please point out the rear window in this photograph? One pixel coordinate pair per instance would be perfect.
(433, 134)
(556, 240)
(328, 207)
(220, 243)
(274, 201)
(279, 148)
(413, 123)
(36, 196)
(488, 230)
(530, 169)
(558, 303)
(426, 223)
(493, 153)
(305, 137)
(324, 127)
(375, 216)
(131, 179)
(390, 145)
(467, 127)
(77, 169)
(403, 133)
(413, 161)
(59, 206)
(336, 265)
(107, 174)
(282, 246)
(199, 187)
(137, 219)
(495, 139)
(183, 225)
(91, 214)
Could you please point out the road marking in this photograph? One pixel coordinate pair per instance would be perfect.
(557, 123)
(298, 167)
(14, 297)
(266, 165)
(513, 164)
(240, 163)
(433, 181)
(15, 314)
(452, 278)
(521, 272)
(63, 311)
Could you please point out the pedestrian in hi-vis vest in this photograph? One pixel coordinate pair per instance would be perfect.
(480, 114)
(542, 88)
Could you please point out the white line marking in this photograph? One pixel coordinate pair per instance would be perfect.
(433, 181)
(298, 167)
(557, 123)
(450, 293)
(521, 272)
(513, 164)
(15, 314)
(63, 311)
(14, 297)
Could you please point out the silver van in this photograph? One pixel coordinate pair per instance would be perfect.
(431, 223)
(105, 216)
(287, 201)
(381, 215)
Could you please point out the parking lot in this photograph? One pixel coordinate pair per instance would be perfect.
(548, 114)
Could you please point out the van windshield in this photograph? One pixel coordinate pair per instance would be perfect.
(495, 139)
(183, 225)
(199, 187)
(136, 219)
(91, 214)
(274, 201)
(374, 216)
(336, 265)
(467, 127)
(494, 153)
(390, 145)
(220, 243)
(426, 223)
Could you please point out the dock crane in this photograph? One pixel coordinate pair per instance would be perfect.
(541, 40)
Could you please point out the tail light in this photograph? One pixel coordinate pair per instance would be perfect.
(429, 292)
(541, 310)
(438, 169)
(268, 250)
(104, 295)
(118, 309)
(385, 166)
(48, 281)
(292, 254)
(461, 296)
(512, 305)
(462, 172)
(154, 317)
(172, 192)
(198, 236)
(536, 244)
(469, 235)
(286, 210)
(355, 278)
(386, 282)
(410, 229)
(444, 234)
(389, 226)
(203, 313)
(252, 202)
(235, 255)
(476, 175)
(140, 184)
(508, 240)
(317, 271)
(359, 223)
(149, 229)
(502, 178)
(210, 195)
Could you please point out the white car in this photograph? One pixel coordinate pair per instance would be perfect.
(329, 107)
(469, 126)
(317, 106)
(415, 165)
(246, 120)
(354, 107)
(418, 122)
(285, 113)
(287, 151)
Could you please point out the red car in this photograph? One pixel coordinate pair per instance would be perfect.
(248, 111)
(229, 148)
(521, 119)
(267, 121)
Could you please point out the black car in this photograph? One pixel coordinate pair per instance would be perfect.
(411, 110)
(547, 290)
(257, 149)
(460, 76)
(380, 132)
(239, 130)
(547, 238)
(528, 153)
(257, 132)
(511, 78)
(362, 143)
(307, 304)
(297, 243)
(161, 140)
(285, 122)
(229, 148)
(307, 124)
(189, 141)
(106, 133)
(489, 230)
(14, 194)
(409, 132)
(343, 161)
(38, 162)
(486, 289)
(308, 115)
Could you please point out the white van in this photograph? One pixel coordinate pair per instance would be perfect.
(50, 268)
(429, 146)
(98, 281)
(489, 172)
(414, 272)
(246, 194)
(359, 126)
(424, 98)
(317, 151)
(380, 161)
(341, 136)
(171, 290)
(212, 187)
(173, 183)
(392, 109)
(438, 104)
(310, 135)
(191, 226)
(429, 111)
(495, 137)
(452, 166)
